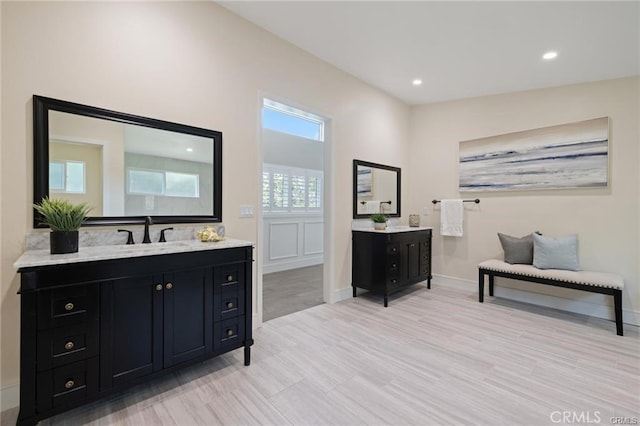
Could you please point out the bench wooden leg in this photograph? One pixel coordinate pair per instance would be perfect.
(617, 306)
(491, 284)
(480, 285)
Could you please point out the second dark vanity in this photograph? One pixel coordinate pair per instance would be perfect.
(387, 261)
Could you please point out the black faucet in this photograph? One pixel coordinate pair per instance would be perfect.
(130, 238)
(147, 222)
(162, 238)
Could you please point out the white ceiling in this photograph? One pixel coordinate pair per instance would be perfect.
(459, 49)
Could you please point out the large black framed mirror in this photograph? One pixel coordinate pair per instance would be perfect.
(124, 166)
(376, 189)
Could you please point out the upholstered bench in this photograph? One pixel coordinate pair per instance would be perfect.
(595, 282)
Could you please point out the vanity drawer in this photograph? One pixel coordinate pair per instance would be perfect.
(228, 334)
(393, 262)
(68, 305)
(64, 345)
(67, 384)
(393, 282)
(228, 305)
(229, 278)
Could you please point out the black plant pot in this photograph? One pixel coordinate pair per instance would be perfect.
(63, 242)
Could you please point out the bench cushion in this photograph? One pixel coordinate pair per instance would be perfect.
(596, 279)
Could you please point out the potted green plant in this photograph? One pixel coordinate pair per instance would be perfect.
(379, 221)
(64, 218)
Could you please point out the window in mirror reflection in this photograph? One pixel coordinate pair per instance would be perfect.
(66, 176)
(162, 182)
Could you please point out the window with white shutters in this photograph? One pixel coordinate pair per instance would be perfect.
(291, 189)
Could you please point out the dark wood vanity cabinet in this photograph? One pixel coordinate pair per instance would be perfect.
(93, 328)
(385, 262)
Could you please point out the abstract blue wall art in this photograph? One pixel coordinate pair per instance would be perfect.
(364, 181)
(574, 155)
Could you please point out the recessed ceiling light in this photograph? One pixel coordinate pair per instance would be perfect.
(189, 149)
(417, 82)
(549, 55)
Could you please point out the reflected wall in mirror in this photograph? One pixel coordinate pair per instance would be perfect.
(376, 189)
(126, 167)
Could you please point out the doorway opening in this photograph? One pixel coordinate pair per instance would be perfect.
(293, 152)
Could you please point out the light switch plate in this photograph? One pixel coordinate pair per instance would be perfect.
(246, 210)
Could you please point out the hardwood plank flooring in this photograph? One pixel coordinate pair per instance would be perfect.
(433, 357)
(286, 292)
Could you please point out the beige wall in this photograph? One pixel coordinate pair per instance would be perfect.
(606, 219)
(192, 63)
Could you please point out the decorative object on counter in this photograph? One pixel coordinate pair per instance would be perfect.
(208, 234)
(414, 220)
(379, 221)
(221, 230)
(64, 218)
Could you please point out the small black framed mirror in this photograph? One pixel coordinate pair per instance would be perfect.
(376, 189)
(124, 166)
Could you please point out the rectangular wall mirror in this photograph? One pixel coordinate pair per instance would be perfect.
(124, 166)
(376, 189)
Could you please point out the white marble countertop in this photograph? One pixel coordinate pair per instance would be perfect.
(34, 258)
(395, 229)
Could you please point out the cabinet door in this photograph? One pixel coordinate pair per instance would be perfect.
(188, 315)
(413, 260)
(131, 329)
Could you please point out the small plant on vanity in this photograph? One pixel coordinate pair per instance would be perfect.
(379, 221)
(64, 218)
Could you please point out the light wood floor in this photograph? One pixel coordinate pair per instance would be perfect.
(433, 357)
(291, 291)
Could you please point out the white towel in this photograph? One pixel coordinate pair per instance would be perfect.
(371, 207)
(451, 216)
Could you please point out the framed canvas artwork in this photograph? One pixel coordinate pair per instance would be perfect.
(574, 155)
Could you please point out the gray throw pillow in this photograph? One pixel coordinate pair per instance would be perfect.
(556, 253)
(517, 250)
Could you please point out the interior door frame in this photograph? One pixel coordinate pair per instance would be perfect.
(327, 207)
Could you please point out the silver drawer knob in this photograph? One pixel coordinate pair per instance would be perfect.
(169, 286)
(229, 305)
(69, 384)
(69, 345)
(229, 332)
(229, 277)
(159, 287)
(69, 306)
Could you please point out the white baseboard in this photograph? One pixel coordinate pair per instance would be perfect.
(9, 397)
(269, 268)
(254, 321)
(595, 305)
(341, 294)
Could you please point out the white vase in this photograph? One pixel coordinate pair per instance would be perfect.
(379, 226)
